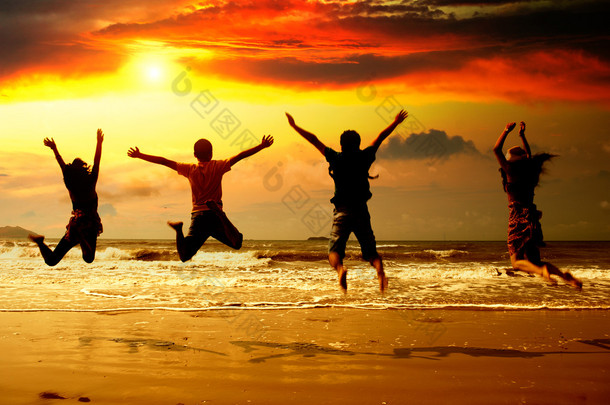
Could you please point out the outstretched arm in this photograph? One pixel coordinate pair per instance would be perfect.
(311, 138)
(51, 144)
(400, 117)
(135, 153)
(500, 144)
(95, 171)
(526, 145)
(265, 143)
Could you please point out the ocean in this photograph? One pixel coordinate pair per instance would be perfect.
(146, 274)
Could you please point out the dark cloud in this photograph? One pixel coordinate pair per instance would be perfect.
(348, 70)
(473, 3)
(51, 36)
(359, 29)
(574, 23)
(433, 144)
(335, 42)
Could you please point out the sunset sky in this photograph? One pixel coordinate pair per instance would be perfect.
(161, 74)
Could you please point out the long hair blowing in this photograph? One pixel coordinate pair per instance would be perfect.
(529, 168)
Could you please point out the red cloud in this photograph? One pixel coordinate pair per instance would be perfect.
(532, 52)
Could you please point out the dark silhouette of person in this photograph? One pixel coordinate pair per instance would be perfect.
(349, 170)
(205, 176)
(520, 176)
(85, 224)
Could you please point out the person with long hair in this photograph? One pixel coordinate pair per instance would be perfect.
(520, 172)
(85, 224)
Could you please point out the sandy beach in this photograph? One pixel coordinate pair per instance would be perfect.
(305, 356)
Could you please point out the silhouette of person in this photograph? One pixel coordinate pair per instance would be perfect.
(350, 171)
(520, 175)
(205, 176)
(85, 224)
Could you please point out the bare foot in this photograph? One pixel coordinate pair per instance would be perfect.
(36, 238)
(176, 225)
(342, 271)
(573, 281)
(383, 281)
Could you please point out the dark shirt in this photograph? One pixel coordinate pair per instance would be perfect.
(522, 180)
(83, 196)
(350, 171)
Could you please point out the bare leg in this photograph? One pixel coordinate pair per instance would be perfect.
(87, 246)
(566, 276)
(335, 261)
(525, 265)
(180, 242)
(52, 257)
(383, 280)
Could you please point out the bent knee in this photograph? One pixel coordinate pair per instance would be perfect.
(51, 262)
(185, 257)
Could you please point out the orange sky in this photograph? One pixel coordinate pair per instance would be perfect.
(142, 70)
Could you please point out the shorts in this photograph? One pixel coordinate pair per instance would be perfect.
(209, 223)
(357, 220)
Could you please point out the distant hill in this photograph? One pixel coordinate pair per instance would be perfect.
(14, 232)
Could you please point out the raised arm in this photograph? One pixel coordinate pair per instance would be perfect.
(265, 143)
(49, 142)
(526, 145)
(311, 138)
(500, 144)
(400, 117)
(95, 170)
(135, 153)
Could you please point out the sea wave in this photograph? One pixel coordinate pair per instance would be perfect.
(290, 305)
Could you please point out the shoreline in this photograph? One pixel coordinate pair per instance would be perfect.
(355, 307)
(306, 356)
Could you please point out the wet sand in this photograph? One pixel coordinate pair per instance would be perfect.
(306, 356)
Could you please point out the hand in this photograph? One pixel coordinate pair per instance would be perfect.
(290, 120)
(50, 143)
(134, 152)
(509, 127)
(522, 128)
(100, 135)
(267, 141)
(401, 116)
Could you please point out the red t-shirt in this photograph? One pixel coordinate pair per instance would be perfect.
(205, 179)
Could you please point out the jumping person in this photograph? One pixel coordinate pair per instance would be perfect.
(205, 176)
(85, 225)
(350, 171)
(520, 175)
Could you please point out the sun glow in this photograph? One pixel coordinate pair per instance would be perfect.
(154, 73)
(150, 69)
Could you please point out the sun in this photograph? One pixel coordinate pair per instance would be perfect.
(149, 69)
(154, 73)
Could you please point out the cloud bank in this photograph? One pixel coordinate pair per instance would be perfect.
(508, 49)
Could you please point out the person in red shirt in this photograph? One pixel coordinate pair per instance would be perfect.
(205, 176)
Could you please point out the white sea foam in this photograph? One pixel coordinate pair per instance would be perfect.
(132, 275)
